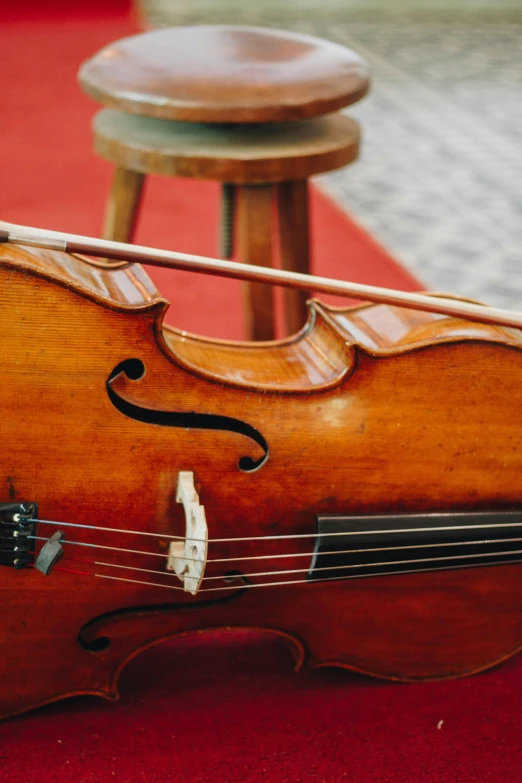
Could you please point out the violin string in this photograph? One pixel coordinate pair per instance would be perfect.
(329, 568)
(106, 529)
(71, 571)
(283, 537)
(104, 546)
(278, 556)
(301, 581)
(356, 551)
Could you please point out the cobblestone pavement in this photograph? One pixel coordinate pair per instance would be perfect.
(439, 182)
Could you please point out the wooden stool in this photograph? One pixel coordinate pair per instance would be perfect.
(222, 103)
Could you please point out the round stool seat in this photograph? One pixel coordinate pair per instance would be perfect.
(220, 73)
(227, 153)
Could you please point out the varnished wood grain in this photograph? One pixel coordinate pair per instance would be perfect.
(254, 240)
(123, 205)
(226, 153)
(243, 154)
(225, 73)
(221, 102)
(315, 359)
(415, 423)
(294, 239)
(282, 153)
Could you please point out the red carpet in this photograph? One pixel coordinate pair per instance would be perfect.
(226, 708)
(54, 181)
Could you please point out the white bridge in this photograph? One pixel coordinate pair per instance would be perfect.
(188, 558)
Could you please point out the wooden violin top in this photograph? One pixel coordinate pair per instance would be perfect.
(369, 411)
(319, 357)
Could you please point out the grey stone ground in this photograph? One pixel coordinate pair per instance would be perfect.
(439, 182)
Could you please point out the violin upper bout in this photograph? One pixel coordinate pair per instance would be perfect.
(119, 285)
(387, 330)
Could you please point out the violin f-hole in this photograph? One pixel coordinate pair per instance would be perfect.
(135, 369)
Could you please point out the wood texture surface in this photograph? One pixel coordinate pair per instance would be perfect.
(254, 241)
(123, 205)
(282, 153)
(294, 239)
(220, 73)
(226, 153)
(370, 409)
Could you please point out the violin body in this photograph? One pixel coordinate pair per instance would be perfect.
(370, 411)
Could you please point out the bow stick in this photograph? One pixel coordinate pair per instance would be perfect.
(170, 259)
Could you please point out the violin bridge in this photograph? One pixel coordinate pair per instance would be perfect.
(187, 559)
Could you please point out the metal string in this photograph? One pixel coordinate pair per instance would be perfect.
(324, 568)
(356, 551)
(269, 557)
(308, 554)
(103, 546)
(105, 529)
(294, 581)
(283, 537)
(334, 568)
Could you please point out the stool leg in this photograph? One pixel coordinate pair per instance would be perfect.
(292, 212)
(254, 232)
(123, 205)
(226, 238)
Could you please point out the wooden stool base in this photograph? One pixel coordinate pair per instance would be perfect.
(123, 205)
(264, 170)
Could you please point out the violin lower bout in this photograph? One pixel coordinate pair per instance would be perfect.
(410, 627)
(405, 628)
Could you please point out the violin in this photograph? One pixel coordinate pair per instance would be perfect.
(354, 488)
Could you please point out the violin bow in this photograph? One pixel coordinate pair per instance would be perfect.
(170, 259)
